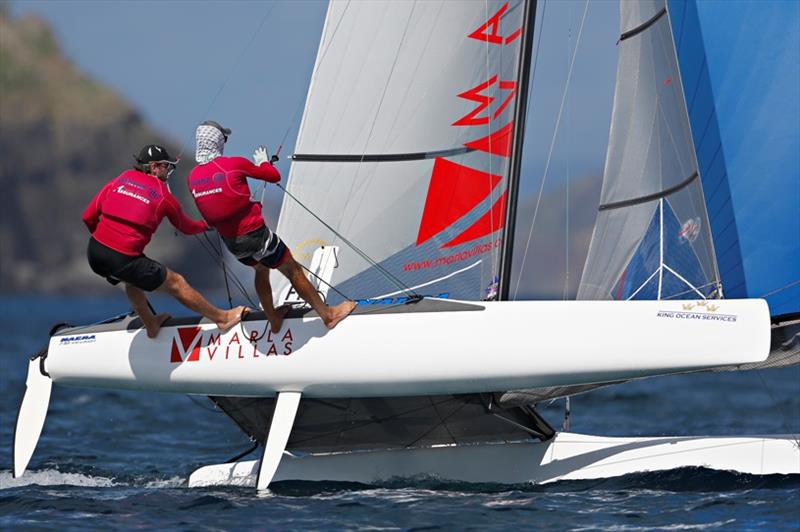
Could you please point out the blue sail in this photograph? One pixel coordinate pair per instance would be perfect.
(741, 80)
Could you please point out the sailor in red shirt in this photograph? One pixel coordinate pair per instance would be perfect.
(219, 187)
(122, 218)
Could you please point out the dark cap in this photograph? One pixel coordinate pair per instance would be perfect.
(153, 153)
(225, 131)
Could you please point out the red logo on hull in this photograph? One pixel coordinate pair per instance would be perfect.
(191, 345)
(189, 342)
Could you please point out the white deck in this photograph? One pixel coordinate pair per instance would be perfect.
(504, 346)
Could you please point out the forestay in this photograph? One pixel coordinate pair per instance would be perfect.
(651, 239)
(404, 146)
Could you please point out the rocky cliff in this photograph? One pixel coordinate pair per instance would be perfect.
(62, 136)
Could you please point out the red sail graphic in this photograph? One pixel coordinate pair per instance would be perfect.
(497, 143)
(487, 224)
(454, 190)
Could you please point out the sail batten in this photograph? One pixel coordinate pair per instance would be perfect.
(650, 197)
(639, 29)
(379, 157)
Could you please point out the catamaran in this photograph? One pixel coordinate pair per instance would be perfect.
(402, 195)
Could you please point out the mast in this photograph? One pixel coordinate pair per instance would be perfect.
(529, 18)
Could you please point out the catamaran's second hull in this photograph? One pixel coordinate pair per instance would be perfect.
(429, 347)
(567, 456)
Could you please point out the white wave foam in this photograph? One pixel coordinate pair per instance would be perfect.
(52, 477)
(174, 482)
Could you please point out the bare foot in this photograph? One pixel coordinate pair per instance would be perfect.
(339, 312)
(232, 318)
(154, 326)
(276, 322)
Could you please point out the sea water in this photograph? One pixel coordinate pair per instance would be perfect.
(120, 460)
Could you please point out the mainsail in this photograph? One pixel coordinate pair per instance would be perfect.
(404, 147)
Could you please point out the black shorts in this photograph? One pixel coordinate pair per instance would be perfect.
(261, 245)
(142, 272)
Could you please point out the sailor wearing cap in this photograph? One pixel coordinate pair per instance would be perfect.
(122, 218)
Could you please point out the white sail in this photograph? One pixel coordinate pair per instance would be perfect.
(652, 238)
(404, 145)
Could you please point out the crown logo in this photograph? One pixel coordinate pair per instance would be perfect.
(709, 307)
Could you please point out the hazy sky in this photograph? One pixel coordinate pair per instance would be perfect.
(247, 64)
(244, 64)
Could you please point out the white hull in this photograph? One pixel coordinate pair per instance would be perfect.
(426, 350)
(568, 456)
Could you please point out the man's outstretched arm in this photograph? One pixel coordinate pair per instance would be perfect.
(178, 218)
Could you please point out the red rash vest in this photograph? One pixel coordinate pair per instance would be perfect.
(126, 212)
(222, 196)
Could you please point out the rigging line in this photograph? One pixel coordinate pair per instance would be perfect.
(781, 289)
(397, 282)
(204, 407)
(369, 179)
(373, 419)
(495, 253)
(217, 257)
(706, 285)
(552, 146)
(220, 409)
(244, 453)
(434, 25)
(225, 275)
(775, 402)
(302, 101)
(329, 285)
(566, 196)
(233, 68)
(442, 423)
(449, 275)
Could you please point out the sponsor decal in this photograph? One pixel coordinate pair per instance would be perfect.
(699, 310)
(122, 190)
(192, 344)
(304, 251)
(477, 249)
(197, 194)
(197, 181)
(131, 182)
(398, 300)
(689, 230)
(80, 339)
